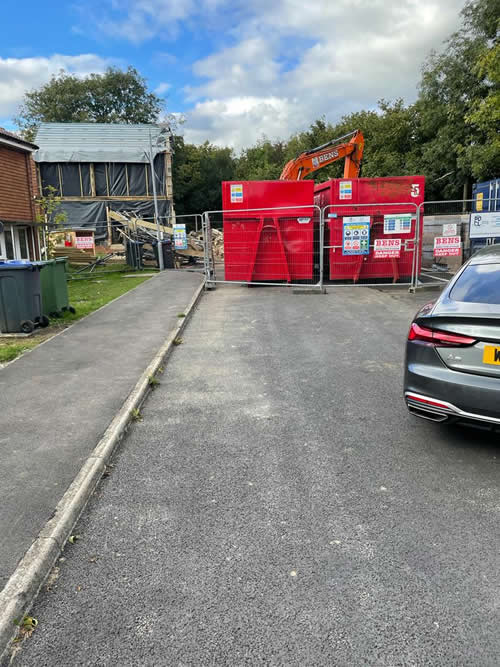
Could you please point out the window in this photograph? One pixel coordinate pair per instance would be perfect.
(9, 243)
(23, 243)
(479, 283)
(14, 243)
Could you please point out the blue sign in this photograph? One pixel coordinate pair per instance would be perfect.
(180, 238)
(356, 235)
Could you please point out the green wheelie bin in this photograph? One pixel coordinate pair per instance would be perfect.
(55, 299)
(20, 297)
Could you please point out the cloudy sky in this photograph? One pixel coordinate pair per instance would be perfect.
(237, 69)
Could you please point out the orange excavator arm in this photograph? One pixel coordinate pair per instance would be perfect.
(309, 161)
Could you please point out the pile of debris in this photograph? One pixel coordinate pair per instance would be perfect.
(195, 241)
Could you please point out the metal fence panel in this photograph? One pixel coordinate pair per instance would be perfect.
(447, 242)
(272, 246)
(372, 244)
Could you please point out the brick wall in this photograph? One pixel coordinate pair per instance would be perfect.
(18, 185)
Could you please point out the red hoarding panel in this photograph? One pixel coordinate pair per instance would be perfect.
(268, 245)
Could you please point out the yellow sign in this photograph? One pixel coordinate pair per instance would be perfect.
(479, 201)
(491, 355)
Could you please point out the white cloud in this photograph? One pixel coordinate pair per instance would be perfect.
(240, 121)
(345, 55)
(286, 62)
(18, 75)
(162, 88)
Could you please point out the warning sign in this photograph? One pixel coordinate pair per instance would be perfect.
(450, 229)
(345, 190)
(180, 238)
(387, 248)
(356, 236)
(447, 246)
(84, 242)
(236, 193)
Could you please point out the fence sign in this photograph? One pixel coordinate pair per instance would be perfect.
(397, 223)
(356, 235)
(84, 242)
(447, 246)
(484, 225)
(180, 238)
(450, 229)
(387, 248)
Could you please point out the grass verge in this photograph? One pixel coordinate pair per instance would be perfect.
(85, 295)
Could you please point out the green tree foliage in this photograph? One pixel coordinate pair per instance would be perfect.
(484, 157)
(116, 96)
(455, 87)
(197, 174)
(262, 162)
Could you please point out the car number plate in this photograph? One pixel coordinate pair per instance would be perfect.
(491, 355)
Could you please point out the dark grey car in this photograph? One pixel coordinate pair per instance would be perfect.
(453, 350)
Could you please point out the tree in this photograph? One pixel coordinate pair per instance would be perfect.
(451, 137)
(116, 96)
(262, 162)
(197, 173)
(484, 157)
(50, 216)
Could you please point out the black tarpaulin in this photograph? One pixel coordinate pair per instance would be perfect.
(70, 179)
(101, 188)
(142, 209)
(159, 165)
(49, 174)
(85, 174)
(117, 179)
(136, 179)
(90, 214)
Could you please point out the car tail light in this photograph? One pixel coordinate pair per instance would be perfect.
(438, 337)
(427, 401)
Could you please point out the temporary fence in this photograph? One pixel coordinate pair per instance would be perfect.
(339, 245)
(453, 230)
(370, 244)
(264, 246)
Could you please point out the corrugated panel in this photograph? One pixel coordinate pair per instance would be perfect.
(98, 142)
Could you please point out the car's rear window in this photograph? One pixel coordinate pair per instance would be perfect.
(479, 283)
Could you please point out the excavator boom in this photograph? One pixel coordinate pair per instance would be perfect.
(309, 161)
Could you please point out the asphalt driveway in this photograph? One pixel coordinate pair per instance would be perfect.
(278, 506)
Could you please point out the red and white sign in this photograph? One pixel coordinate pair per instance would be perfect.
(450, 229)
(447, 246)
(84, 242)
(387, 248)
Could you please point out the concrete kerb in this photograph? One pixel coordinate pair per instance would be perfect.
(25, 583)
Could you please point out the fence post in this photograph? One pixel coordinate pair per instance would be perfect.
(321, 246)
(416, 245)
(207, 250)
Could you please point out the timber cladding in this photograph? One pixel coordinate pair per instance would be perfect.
(18, 185)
